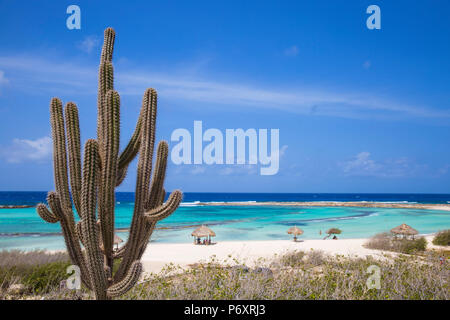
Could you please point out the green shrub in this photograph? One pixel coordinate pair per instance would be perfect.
(45, 278)
(442, 238)
(413, 246)
(380, 241)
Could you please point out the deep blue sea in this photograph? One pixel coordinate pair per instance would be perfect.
(23, 228)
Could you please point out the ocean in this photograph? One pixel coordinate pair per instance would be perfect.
(23, 229)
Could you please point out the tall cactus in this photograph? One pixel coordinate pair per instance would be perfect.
(90, 241)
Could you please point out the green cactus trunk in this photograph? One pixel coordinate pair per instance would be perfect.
(90, 242)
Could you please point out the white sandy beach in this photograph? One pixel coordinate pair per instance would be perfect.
(184, 254)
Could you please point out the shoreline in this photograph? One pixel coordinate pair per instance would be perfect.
(357, 204)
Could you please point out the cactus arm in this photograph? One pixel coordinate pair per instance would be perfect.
(108, 45)
(73, 143)
(159, 175)
(162, 195)
(128, 154)
(157, 214)
(79, 233)
(121, 175)
(166, 209)
(105, 83)
(89, 229)
(111, 135)
(131, 150)
(46, 214)
(128, 282)
(59, 153)
(142, 183)
(105, 77)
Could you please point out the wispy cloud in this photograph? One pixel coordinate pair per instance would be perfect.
(22, 150)
(291, 51)
(239, 169)
(88, 44)
(198, 170)
(51, 76)
(3, 79)
(363, 165)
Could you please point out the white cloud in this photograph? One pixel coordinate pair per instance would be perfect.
(291, 51)
(363, 165)
(22, 150)
(53, 76)
(88, 44)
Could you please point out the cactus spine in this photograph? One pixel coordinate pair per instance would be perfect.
(90, 241)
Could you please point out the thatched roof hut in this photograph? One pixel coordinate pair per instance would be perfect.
(334, 231)
(295, 231)
(202, 232)
(404, 230)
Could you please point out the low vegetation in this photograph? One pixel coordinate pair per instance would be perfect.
(442, 238)
(298, 275)
(386, 242)
(33, 272)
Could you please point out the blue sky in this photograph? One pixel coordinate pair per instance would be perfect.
(358, 110)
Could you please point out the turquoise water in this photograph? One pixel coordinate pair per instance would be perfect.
(23, 229)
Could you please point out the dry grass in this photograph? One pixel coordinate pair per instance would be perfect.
(300, 276)
(29, 258)
(39, 271)
(296, 275)
(384, 241)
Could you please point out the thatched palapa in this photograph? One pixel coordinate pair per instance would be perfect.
(404, 230)
(295, 231)
(202, 232)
